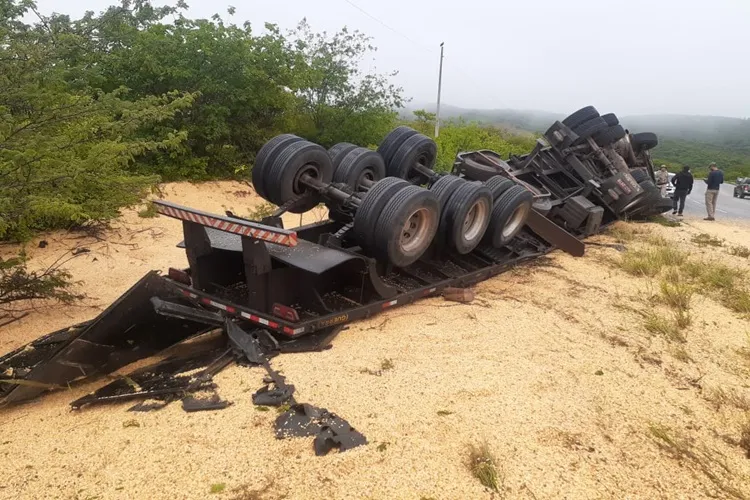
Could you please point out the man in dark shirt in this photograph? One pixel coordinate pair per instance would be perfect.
(713, 182)
(683, 184)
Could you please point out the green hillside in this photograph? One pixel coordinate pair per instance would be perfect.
(676, 153)
(684, 139)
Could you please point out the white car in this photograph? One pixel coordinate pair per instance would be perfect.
(670, 186)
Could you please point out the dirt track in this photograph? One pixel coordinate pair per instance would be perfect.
(550, 365)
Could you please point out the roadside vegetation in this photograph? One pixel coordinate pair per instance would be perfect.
(679, 275)
(95, 111)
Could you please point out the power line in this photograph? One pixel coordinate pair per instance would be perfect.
(363, 11)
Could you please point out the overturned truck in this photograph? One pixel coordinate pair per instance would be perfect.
(397, 231)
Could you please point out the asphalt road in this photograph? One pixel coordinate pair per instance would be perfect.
(727, 207)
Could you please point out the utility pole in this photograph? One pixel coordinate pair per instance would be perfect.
(440, 84)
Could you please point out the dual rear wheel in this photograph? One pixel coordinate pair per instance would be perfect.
(396, 220)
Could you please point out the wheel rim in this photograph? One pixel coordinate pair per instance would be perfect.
(367, 175)
(516, 220)
(309, 169)
(415, 234)
(415, 177)
(475, 221)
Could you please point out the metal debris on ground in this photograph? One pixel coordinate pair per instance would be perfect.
(163, 381)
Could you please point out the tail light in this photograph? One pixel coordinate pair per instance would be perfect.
(179, 276)
(285, 312)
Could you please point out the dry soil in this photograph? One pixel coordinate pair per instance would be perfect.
(550, 366)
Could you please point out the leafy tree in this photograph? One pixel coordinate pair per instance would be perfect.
(339, 102)
(424, 121)
(18, 284)
(65, 152)
(242, 82)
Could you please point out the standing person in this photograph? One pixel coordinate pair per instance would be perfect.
(713, 182)
(683, 185)
(662, 180)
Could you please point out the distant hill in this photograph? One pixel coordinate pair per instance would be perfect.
(684, 139)
(528, 120)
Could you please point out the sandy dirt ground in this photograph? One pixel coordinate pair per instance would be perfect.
(550, 366)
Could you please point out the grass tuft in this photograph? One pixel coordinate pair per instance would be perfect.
(680, 354)
(651, 261)
(677, 295)
(700, 459)
(623, 232)
(718, 276)
(745, 437)
(483, 466)
(663, 221)
(666, 327)
(692, 270)
(657, 241)
(387, 364)
(739, 251)
(721, 397)
(737, 300)
(706, 240)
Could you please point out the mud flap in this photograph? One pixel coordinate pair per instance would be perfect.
(554, 234)
(128, 330)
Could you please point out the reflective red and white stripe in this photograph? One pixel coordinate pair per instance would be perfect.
(252, 317)
(287, 238)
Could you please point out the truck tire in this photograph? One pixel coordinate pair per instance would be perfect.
(644, 141)
(265, 158)
(611, 119)
(589, 128)
(498, 185)
(444, 187)
(357, 165)
(581, 116)
(607, 137)
(338, 152)
(372, 206)
(407, 226)
(393, 141)
(417, 149)
(465, 218)
(509, 215)
(296, 159)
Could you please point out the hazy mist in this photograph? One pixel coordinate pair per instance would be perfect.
(635, 57)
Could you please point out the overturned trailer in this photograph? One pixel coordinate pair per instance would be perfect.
(398, 231)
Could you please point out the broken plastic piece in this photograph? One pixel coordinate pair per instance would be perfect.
(145, 406)
(193, 404)
(330, 431)
(163, 379)
(327, 439)
(244, 342)
(265, 396)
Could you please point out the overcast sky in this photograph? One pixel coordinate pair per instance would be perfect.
(629, 57)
